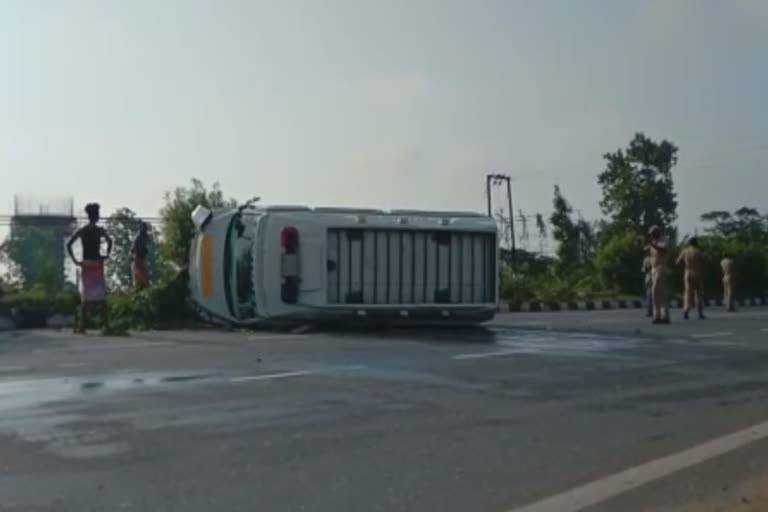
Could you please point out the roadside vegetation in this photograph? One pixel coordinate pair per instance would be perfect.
(595, 259)
(36, 287)
(603, 258)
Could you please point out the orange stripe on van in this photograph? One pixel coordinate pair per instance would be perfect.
(205, 260)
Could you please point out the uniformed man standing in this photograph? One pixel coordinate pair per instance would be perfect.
(657, 250)
(691, 257)
(648, 279)
(727, 265)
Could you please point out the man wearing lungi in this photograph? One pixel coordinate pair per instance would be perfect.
(93, 286)
(139, 252)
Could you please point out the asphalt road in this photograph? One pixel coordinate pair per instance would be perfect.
(540, 410)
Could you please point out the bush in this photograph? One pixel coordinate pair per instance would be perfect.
(164, 305)
(619, 263)
(31, 309)
(551, 285)
(516, 287)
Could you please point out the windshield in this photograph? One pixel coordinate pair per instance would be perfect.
(238, 269)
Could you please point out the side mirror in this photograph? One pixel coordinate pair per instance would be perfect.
(248, 204)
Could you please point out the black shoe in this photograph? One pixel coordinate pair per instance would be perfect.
(702, 317)
(665, 321)
(685, 315)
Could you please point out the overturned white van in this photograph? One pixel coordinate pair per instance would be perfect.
(260, 264)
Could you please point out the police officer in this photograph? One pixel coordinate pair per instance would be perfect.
(727, 266)
(691, 257)
(657, 250)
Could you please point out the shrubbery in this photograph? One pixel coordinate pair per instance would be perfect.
(163, 305)
(32, 308)
(551, 285)
(617, 271)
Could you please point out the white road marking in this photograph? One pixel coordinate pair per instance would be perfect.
(711, 335)
(269, 376)
(482, 355)
(131, 344)
(12, 368)
(287, 375)
(278, 337)
(74, 364)
(591, 494)
(764, 329)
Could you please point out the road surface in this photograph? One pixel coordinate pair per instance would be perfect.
(541, 412)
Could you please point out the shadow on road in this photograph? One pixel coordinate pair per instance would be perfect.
(424, 334)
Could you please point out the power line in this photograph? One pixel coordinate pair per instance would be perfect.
(46, 220)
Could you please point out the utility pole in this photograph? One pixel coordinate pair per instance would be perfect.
(488, 181)
(496, 180)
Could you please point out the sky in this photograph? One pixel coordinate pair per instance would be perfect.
(404, 103)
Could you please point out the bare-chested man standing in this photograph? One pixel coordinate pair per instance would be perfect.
(727, 266)
(691, 257)
(657, 250)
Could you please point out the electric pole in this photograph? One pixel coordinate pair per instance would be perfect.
(497, 180)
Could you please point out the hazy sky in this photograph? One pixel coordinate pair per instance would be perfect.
(403, 103)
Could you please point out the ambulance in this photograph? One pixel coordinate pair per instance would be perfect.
(296, 264)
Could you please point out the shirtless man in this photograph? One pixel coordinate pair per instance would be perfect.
(727, 266)
(93, 284)
(657, 250)
(691, 257)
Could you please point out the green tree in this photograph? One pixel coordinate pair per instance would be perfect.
(746, 222)
(123, 226)
(637, 185)
(178, 229)
(618, 262)
(564, 230)
(29, 262)
(588, 238)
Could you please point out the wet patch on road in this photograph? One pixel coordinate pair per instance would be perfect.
(51, 412)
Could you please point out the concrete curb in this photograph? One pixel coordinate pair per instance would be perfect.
(597, 305)
(7, 324)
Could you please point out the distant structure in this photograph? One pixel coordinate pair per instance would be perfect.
(55, 215)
